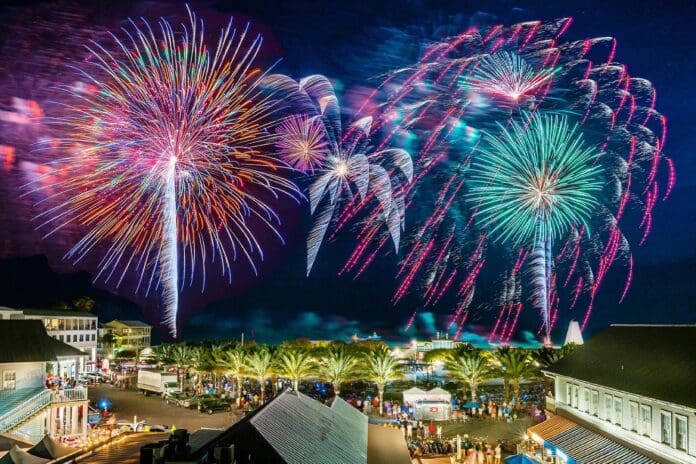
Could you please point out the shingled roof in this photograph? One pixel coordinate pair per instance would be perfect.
(654, 361)
(27, 341)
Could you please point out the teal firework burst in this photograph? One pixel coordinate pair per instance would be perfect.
(535, 179)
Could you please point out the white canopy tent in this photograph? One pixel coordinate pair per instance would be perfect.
(433, 404)
(413, 394)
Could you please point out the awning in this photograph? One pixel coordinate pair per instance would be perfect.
(582, 445)
(550, 428)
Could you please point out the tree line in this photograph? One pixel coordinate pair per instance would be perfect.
(337, 363)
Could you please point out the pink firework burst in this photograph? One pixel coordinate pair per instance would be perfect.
(302, 143)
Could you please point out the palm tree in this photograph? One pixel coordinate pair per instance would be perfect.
(260, 365)
(295, 364)
(470, 367)
(494, 359)
(517, 365)
(234, 362)
(337, 366)
(183, 357)
(382, 368)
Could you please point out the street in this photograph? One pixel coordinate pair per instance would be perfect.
(128, 403)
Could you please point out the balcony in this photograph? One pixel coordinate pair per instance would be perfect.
(551, 404)
(67, 395)
(26, 403)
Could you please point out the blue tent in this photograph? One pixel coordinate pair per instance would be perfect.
(519, 459)
(471, 404)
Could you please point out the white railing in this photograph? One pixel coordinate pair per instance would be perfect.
(73, 394)
(25, 410)
(36, 403)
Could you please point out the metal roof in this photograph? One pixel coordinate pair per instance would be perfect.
(304, 431)
(583, 445)
(651, 361)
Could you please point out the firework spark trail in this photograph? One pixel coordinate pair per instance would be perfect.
(178, 139)
(169, 262)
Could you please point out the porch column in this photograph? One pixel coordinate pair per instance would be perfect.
(73, 420)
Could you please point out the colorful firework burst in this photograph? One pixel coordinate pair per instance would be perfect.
(531, 183)
(170, 167)
(480, 81)
(302, 143)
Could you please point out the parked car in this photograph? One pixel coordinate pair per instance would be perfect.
(179, 399)
(211, 405)
(196, 400)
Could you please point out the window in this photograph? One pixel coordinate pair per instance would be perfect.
(74, 338)
(594, 406)
(666, 427)
(60, 338)
(586, 400)
(9, 380)
(645, 420)
(633, 416)
(569, 393)
(82, 338)
(94, 337)
(576, 395)
(618, 410)
(607, 407)
(680, 434)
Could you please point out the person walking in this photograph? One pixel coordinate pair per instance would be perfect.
(439, 432)
(489, 454)
(498, 454)
(409, 431)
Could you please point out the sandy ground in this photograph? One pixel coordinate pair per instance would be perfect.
(128, 403)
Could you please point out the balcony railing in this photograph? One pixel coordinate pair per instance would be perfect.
(25, 410)
(36, 403)
(74, 394)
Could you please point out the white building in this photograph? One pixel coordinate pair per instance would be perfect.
(76, 328)
(28, 410)
(633, 384)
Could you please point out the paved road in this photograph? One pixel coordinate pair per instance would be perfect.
(128, 403)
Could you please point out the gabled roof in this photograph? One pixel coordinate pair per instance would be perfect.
(304, 431)
(654, 361)
(27, 341)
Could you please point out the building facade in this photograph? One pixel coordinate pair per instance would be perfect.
(76, 328)
(128, 335)
(635, 384)
(29, 410)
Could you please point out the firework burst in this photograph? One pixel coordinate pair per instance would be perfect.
(531, 185)
(302, 143)
(476, 87)
(170, 163)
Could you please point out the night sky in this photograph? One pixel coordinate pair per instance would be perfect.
(340, 40)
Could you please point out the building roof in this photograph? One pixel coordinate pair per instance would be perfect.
(57, 313)
(304, 431)
(27, 341)
(128, 323)
(648, 360)
(584, 445)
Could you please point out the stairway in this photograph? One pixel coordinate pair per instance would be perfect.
(21, 405)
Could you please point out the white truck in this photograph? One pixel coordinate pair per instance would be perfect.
(159, 382)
